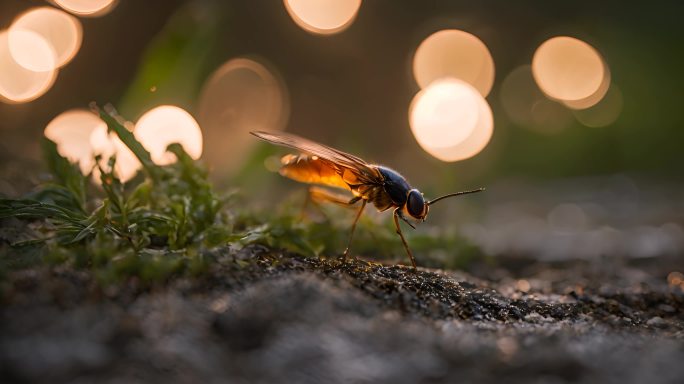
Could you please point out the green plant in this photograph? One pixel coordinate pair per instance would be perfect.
(168, 221)
(161, 223)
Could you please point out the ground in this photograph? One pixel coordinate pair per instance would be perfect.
(263, 315)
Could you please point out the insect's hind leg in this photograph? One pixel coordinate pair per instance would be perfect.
(351, 234)
(318, 195)
(322, 195)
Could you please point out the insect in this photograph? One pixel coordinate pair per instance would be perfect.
(369, 183)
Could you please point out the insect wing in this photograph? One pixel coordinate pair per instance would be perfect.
(361, 171)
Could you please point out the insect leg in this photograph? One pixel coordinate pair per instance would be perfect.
(396, 224)
(405, 221)
(319, 195)
(351, 235)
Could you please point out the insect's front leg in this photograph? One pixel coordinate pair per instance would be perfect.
(397, 215)
(401, 216)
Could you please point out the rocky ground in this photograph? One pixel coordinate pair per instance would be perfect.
(267, 316)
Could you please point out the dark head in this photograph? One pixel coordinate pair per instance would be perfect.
(418, 208)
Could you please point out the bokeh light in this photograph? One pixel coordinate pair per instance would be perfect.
(71, 131)
(675, 279)
(240, 96)
(60, 30)
(595, 97)
(457, 54)
(31, 51)
(107, 145)
(473, 144)
(568, 69)
(444, 114)
(323, 16)
(168, 124)
(451, 120)
(605, 113)
(526, 106)
(18, 84)
(89, 8)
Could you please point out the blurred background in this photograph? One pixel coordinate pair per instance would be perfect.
(569, 113)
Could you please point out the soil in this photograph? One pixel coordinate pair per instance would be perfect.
(264, 316)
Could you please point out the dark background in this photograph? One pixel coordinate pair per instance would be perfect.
(353, 89)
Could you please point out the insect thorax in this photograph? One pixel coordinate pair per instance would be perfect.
(395, 186)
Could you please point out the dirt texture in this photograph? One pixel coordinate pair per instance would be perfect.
(264, 316)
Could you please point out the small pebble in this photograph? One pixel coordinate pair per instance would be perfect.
(657, 322)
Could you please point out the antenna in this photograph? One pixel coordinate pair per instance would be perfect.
(455, 194)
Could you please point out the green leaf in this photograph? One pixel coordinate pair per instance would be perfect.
(85, 232)
(58, 195)
(127, 137)
(31, 209)
(68, 175)
(219, 235)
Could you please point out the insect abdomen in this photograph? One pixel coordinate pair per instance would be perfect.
(311, 170)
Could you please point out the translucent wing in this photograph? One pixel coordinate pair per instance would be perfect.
(304, 145)
(323, 165)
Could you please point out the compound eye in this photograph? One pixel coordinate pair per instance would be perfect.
(415, 204)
